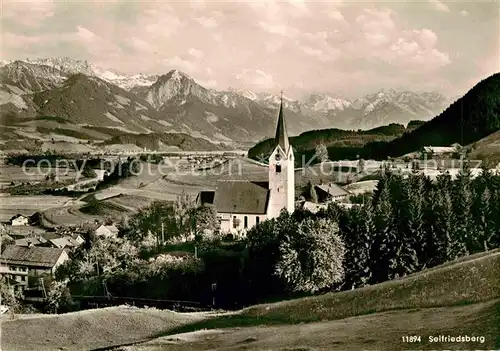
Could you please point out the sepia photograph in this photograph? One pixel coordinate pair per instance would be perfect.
(289, 175)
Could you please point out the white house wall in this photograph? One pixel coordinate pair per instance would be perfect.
(227, 222)
(63, 258)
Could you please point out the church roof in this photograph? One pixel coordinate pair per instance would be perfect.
(238, 197)
(281, 132)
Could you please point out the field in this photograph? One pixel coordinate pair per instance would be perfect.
(245, 169)
(28, 205)
(165, 182)
(380, 331)
(459, 298)
(32, 174)
(362, 187)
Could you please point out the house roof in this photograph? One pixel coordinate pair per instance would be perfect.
(30, 241)
(18, 216)
(332, 189)
(111, 228)
(31, 256)
(62, 242)
(241, 197)
(206, 197)
(439, 149)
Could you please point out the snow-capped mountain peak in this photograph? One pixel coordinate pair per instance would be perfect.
(70, 66)
(245, 93)
(322, 102)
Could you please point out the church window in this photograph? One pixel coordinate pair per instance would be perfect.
(245, 221)
(236, 222)
(278, 168)
(257, 220)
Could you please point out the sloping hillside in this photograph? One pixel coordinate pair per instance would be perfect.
(469, 119)
(487, 149)
(461, 296)
(92, 101)
(156, 141)
(345, 140)
(87, 330)
(379, 331)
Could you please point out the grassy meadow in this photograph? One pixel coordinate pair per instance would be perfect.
(461, 297)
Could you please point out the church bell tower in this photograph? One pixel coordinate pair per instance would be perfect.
(281, 171)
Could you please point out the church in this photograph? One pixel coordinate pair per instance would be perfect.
(241, 205)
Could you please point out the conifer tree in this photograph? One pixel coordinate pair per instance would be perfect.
(358, 235)
(312, 195)
(410, 236)
(484, 220)
(442, 237)
(464, 235)
(384, 247)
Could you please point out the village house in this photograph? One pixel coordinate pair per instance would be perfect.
(65, 242)
(330, 192)
(19, 220)
(107, 231)
(440, 151)
(241, 205)
(18, 263)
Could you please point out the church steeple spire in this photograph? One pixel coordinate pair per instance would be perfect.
(281, 137)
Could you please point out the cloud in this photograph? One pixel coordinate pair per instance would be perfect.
(28, 13)
(317, 44)
(278, 29)
(198, 54)
(376, 39)
(376, 20)
(410, 52)
(425, 37)
(207, 22)
(86, 35)
(159, 22)
(210, 83)
(352, 46)
(142, 45)
(336, 15)
(176, 62)
(197, 4)
(256, 79)
(298, 9)
(439, 5)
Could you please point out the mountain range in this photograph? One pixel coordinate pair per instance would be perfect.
(85, 95)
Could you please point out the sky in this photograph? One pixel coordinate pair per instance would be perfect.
(343, 48)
